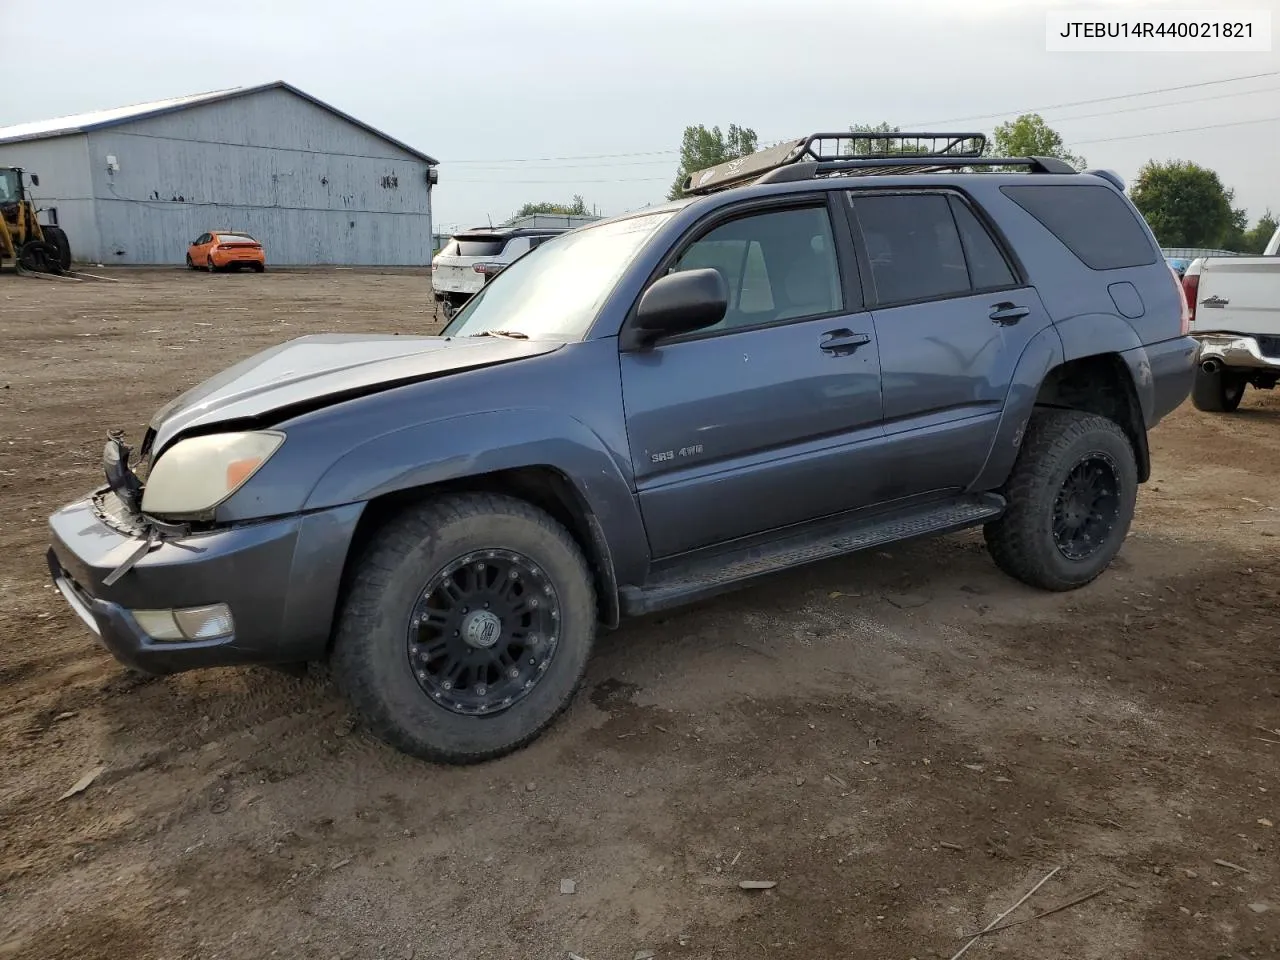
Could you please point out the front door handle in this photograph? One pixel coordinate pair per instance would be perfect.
(1007, 314)
(841, 342)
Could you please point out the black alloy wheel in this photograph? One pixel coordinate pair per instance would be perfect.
(483, 632)
(1087, 506)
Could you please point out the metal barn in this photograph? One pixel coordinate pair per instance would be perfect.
(136, 184)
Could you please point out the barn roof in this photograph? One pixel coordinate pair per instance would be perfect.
(99, 119)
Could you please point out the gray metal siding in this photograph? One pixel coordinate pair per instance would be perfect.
(62, 164)
(312, 187)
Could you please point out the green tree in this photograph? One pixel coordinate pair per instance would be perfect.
(701, 148)
(1256, 240)
(1185, 204)
(1237, 237)
(1030, 136)
(876, 148)
(576, 208)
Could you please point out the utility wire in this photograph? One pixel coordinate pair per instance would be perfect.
(1077, 103)
(1162, 133)
(498, 165)
(1082, 103)
(1170, 103)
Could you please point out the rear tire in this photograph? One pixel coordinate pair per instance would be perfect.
(1217, 392)
(208, 265)
(428, 592)
(190, 263)
(1071, 497)
(259, 268)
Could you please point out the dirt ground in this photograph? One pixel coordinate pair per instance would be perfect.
(904, 741)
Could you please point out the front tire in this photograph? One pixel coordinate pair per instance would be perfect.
(466, 629)
(1217, 392)
(1071, 498)
(57, 238)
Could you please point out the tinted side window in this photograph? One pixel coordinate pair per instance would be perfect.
(913, 246)
(1093, 222)
(988, 269)
(779, 265)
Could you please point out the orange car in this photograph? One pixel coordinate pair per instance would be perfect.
(225, 251)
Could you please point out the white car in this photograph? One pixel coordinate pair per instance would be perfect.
(1235, 314)
(470, 259)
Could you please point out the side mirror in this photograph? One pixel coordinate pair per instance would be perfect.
(35, 180)
(679, 303)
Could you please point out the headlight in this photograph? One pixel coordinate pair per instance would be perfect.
(194, 476)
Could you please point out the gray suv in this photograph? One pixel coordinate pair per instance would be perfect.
(830, 345)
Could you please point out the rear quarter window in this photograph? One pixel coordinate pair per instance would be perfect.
(1093, 222)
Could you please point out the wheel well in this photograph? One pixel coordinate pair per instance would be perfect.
(1101, 384)
(543, 486)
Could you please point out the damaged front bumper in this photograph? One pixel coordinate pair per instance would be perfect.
(280, 578)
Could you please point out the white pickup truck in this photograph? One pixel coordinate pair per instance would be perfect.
(1235, 314)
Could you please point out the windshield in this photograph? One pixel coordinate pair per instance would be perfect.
(8, 185)
(556, 290)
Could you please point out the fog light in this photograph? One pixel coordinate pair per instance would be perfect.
(205, 623)
(158, 624)
(191, 623)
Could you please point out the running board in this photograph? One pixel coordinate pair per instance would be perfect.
(723, 572)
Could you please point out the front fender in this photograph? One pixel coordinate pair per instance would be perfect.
(458, 447)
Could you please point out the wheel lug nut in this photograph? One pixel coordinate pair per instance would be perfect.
(513, 673)
(447, 685)
(481, 691)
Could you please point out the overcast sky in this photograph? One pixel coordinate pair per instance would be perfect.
(503, 81)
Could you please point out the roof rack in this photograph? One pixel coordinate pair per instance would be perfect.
(847, 154)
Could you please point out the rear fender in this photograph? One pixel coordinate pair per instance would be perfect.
(1092, 334)
(459, 447)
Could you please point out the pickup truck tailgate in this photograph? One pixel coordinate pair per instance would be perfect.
(1239, 295)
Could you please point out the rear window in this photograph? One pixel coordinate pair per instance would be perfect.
(913, 246)
(235, 238)
(1093, 222)
(479, 247)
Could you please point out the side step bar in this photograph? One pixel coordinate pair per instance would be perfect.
(723, 572)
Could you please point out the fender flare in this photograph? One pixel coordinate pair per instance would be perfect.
(1077, 338)
(1042, 353)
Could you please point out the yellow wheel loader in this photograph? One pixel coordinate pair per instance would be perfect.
(33, 247)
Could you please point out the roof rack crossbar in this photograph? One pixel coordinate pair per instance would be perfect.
(843, 154)
(896, 165)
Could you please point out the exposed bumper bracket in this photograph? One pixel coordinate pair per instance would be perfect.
(1238, 351)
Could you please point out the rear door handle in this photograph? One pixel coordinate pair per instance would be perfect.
(1007, 314)
(842, 342)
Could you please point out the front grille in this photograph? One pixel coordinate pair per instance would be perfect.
(112, 511)
(1270, 346)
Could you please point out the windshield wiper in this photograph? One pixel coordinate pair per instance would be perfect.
(513, 334)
